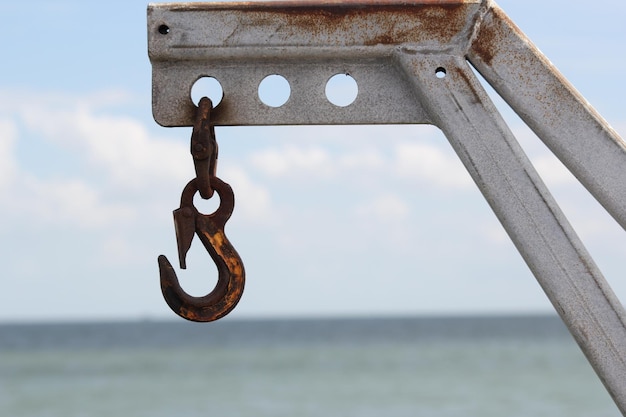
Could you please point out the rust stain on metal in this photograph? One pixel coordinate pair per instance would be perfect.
(204, 148)
(489, 40)
(382, 21)
(496, 46)
(210, 230)
(306, 4)
(350, 22)
(469, 84)
(485, 44)
(368, 26)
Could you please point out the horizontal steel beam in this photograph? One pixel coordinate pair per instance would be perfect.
(241, 43)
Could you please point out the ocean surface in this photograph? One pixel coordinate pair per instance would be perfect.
(387, 367)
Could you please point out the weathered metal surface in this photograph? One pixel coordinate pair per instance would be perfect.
(305, 42)
(529, 214)
(553, 109)
(210, 230)
(204, 148)
(595, 154)
(410, 60)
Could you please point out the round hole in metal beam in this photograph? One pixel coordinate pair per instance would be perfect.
(207, 87)
(274, 90)
(341, 90)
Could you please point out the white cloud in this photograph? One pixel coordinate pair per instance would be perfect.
(384, 209)
(427, 163)
(552, 171)
(362, 159)
(352, 159)
(69, 201)
(253, 201)
(290, 160)
(8, 166)
(119, 250)
(381, 221)
(49, 200)
(119, 145)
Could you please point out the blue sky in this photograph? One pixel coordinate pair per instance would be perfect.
(329, 220)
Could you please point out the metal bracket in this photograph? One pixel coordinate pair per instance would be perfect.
(411, 60)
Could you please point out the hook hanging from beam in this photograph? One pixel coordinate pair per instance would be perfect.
(210, 229)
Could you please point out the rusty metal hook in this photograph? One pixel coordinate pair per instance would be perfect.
(210, 229)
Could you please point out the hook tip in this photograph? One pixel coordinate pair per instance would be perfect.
(162, 260)
(166, 270)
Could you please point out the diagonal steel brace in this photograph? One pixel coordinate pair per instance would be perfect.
(411, 60)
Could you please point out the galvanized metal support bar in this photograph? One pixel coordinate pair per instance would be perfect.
(553, 109)
(410, 60)
(526, 209)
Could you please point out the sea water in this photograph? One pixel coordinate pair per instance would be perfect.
(392, 367)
